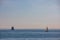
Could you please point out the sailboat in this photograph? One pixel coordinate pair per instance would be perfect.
(12, 28)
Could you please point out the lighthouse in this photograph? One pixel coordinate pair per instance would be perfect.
(46, 29)
(12, 28)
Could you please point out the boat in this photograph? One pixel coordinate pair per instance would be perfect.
(12, 28)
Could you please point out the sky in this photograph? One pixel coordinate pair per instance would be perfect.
(29, 14)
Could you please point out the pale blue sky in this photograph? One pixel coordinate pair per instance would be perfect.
(29, 14)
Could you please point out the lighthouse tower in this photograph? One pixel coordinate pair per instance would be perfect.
(46, 29)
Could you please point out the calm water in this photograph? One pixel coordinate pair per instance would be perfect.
(29, 35)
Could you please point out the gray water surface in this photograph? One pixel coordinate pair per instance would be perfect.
(29, 35)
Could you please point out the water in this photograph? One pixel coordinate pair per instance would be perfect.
(29, 35)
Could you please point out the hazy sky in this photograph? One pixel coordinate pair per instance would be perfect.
(29, 14)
